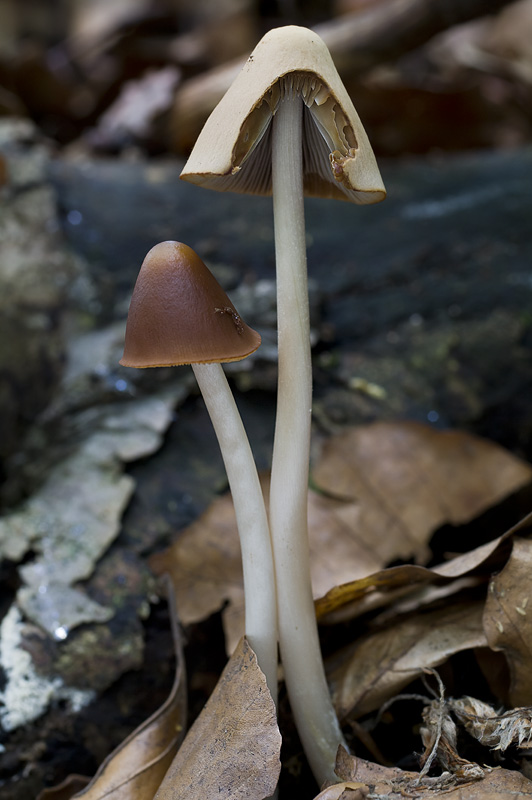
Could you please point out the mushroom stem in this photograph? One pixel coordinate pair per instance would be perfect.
(298, 634)
(252, 522)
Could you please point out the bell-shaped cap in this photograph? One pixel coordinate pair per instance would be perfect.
(233, 151)
(179, 314)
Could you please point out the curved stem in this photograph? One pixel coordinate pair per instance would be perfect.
(298, 635)
(252, 522)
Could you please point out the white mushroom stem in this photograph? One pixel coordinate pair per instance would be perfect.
(252, 522)
(304, 673)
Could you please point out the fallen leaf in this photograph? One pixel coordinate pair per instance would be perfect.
(136, 768)
(337, 552)
(349, 599)
(408, 479)
(232, 750)
(379, 665)
(380, 508)
(508, 619)
(205, 567)
(394, 784)
(347, 790)
(381, 779)
(497, 784)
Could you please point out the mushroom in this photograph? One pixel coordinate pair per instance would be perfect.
(179, 314)
(287, 126)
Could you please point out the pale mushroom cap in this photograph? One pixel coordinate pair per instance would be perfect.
(233, 151)
(179, 314)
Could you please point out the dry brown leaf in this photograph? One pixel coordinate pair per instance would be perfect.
(358, 770)
(381, 664)
(497, 784)
(508, 619)
(205, 567)
(349, 599)
(394, 784)
(388, 586)
(408, 479)
(232, 750)
(338, 553)
(346, 542)
(347, 790)
(136, 768)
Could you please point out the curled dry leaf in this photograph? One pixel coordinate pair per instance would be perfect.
(355, 597)
(497, 731)
(394, 784)
(508, 619)
(136, 768)
(381, 664)
(408, 479)
(232, 750)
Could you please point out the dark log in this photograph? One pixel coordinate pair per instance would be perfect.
(426, 295)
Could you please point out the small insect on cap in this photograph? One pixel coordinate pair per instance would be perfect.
(179, 314)
(233, 151)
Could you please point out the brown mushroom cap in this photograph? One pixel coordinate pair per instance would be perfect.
(233, 151)
(179, 314)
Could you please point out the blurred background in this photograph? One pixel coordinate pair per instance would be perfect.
(111, 76)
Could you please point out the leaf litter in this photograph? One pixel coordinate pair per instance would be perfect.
(373, 513)
(425, 617)
(408, 479)
(379, 665)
